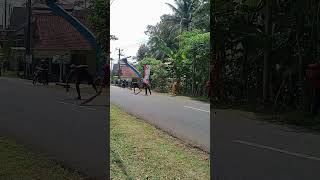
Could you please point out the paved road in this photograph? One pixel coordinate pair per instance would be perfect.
(245, 149)
(186, 119)
(46, 120)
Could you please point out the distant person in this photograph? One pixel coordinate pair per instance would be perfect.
(208, 87)
(175, 87)
(45, 72)
(5, 66)
(41, 73)
(146, 85)
(81, 73)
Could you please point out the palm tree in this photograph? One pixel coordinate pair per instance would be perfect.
(183, 12)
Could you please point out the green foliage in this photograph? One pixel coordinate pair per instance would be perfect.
(179, 48)
(195, 55)
(142, 52)
(159, 73)
(240, 41)
(98, 11)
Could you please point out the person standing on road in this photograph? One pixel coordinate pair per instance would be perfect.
(146, 85)
(208, 87)
(45, 72)
(175, 87)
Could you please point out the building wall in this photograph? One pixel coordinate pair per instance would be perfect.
(76, 57)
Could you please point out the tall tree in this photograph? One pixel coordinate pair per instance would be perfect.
(142, 52)
(98, 15)
(183, 11)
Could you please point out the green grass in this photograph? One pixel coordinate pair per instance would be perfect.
(17, 162)
(141, 151)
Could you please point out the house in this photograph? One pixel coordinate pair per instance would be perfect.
(125, 73)
(55, 40)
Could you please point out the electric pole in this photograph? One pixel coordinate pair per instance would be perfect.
(119, 54)
(28, 43)
(10, 10)
(5, 14)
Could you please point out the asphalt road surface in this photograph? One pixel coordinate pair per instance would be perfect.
(49, 121)
(185, 119)
(246, 149)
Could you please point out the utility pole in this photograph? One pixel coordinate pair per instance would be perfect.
(119, 54)
(28, 43)
(10, 8)
(5, 14)
(2, 20)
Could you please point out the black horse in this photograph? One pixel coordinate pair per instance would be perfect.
(135, 85)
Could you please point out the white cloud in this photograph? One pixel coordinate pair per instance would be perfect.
(129, 20)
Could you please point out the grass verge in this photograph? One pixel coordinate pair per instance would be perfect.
(141, 151)
(19, 163)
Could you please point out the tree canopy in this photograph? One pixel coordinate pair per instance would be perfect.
(178, 48)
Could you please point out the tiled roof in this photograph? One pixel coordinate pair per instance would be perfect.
(56, 33)
(126, 72)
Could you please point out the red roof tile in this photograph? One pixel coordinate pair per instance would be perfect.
(55, 33)
(126, 72)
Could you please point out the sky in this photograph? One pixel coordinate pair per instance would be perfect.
(129, 21)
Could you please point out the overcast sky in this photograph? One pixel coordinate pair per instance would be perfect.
(129, 20)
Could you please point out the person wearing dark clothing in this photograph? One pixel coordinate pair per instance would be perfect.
(44, 73)
(5, 66)
(81, 73)
(147, 87)
(208, 87)
(41, 74)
